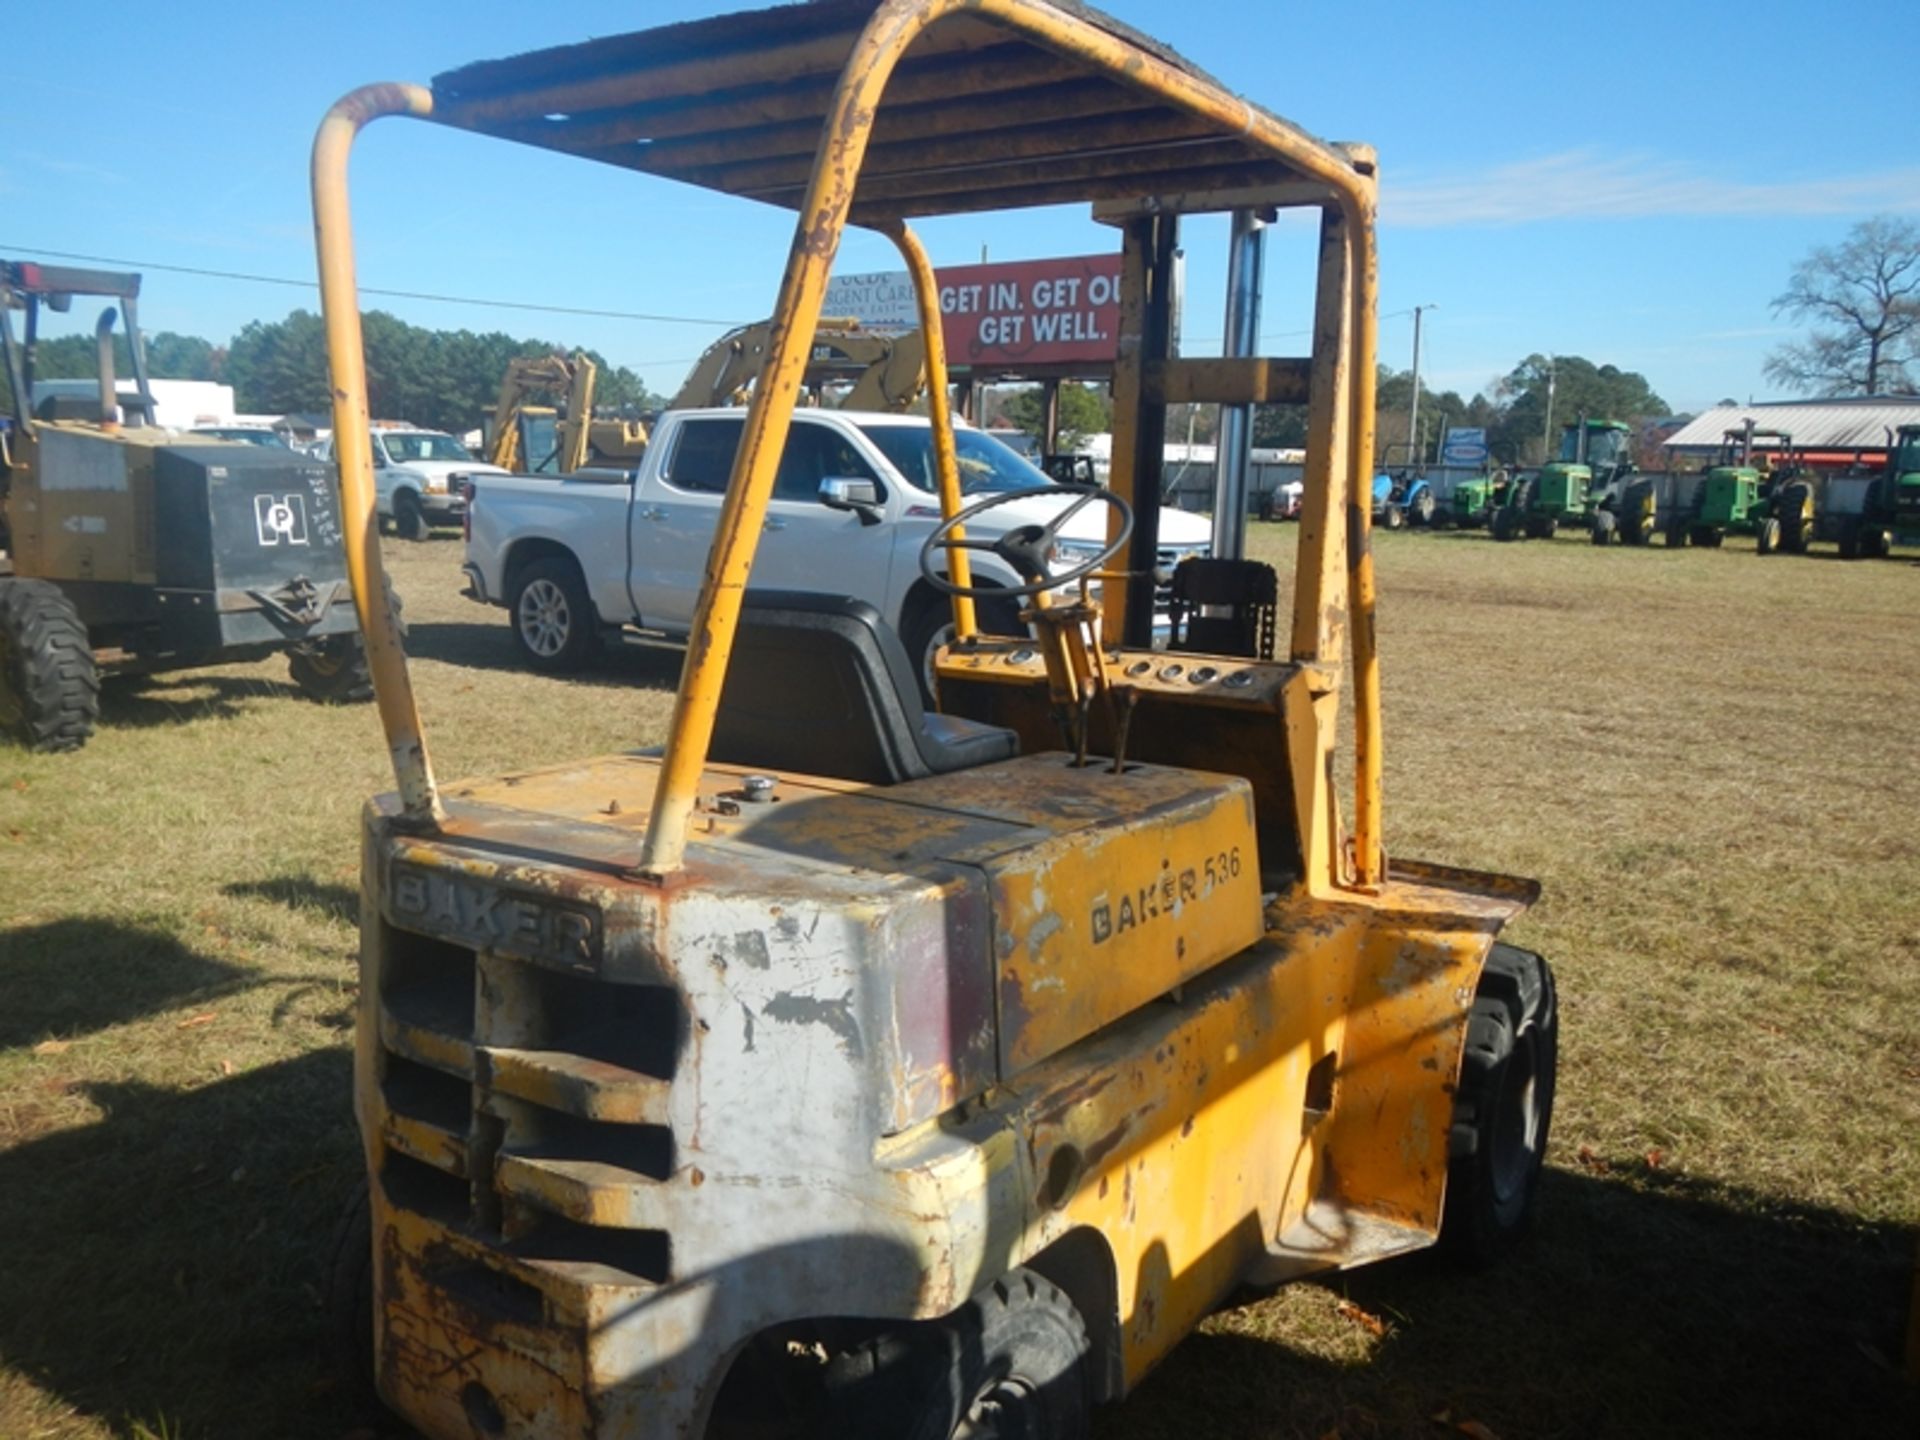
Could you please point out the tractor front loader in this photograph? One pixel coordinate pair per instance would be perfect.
(849, 1069)
(129, 549)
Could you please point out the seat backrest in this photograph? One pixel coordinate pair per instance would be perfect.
(819, 685)
(1246, 590)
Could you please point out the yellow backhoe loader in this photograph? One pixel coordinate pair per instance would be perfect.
(845, 1069)
(880, 372)
(562, 437)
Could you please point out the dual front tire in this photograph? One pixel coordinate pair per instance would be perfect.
(1503, 1107)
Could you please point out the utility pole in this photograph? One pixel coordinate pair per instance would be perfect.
(1546, 435)
(1413, 418)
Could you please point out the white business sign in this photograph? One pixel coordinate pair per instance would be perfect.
(1464, 447)
(881, 301)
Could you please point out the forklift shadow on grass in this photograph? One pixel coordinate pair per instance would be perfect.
(1652, 1305)
(197, 1224)
(81, 974)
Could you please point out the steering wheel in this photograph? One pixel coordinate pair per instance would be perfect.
(1025, 547)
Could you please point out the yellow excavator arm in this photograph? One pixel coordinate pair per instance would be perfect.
(889, 371)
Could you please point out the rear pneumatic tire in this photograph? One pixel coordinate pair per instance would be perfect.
(333, 671)
(1767, 540)
(1503, 1107)
(409, 519)
(1010, 1362)
(349, 1301)
(553, 617)
(49, 686)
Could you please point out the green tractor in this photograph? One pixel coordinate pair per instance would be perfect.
(1596, 457)
(1890, 509)
(1736, 496)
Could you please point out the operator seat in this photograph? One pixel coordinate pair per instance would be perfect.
(820, 685)
(1243, 596)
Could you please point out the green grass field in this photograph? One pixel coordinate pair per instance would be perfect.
(1709, 760)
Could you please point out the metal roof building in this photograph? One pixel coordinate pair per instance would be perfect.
(1829, 431)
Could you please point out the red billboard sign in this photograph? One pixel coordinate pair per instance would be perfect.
(1032, 312)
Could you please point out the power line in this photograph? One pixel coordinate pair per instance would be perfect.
(370, 290)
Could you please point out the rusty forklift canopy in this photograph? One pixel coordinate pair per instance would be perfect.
(977, 117)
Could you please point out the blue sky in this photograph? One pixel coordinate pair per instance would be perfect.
(1630, 182)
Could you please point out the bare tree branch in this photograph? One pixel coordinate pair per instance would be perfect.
(1863, 297)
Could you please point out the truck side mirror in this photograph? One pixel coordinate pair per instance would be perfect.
(862, 497)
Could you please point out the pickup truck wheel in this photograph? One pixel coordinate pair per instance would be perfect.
(553, 617)
(49, 686)
(929, 625)
(1503, 1107)
(408, 518)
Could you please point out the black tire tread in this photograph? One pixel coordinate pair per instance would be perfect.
(349, 1301)
(912, 1384)
(49, 666)
(1516, 993)
(321, 677)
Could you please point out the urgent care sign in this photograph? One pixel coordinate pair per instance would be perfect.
(1028, 312)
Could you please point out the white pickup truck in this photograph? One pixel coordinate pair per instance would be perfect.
(420, 478)
(576, 557)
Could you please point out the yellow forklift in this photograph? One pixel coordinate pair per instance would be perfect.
(850, 1069)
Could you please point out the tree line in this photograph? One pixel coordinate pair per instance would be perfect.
(443, 379)
(1517, 410)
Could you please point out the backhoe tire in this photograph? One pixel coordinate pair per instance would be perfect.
(349, 1302)
(333, 670)
(553, 618)
(1767, 540)
(1010, 1362)
(409, 519)
(49, 685)
(1503, 1107)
